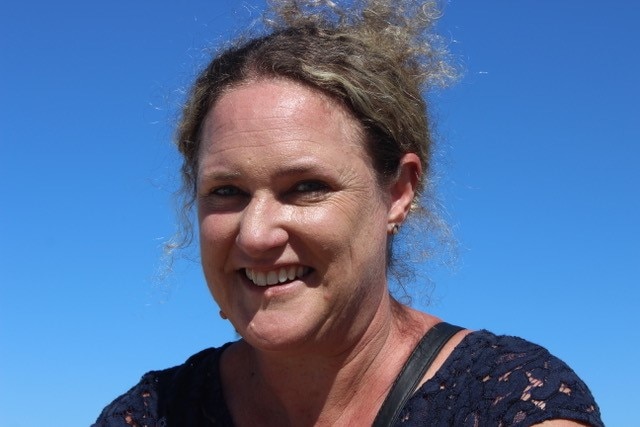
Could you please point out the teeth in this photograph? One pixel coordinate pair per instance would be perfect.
(261, 279)
(282, 275)
(274, 277)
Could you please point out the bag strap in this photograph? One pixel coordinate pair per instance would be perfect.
(413, 371)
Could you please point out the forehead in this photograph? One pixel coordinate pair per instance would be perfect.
(272, 106)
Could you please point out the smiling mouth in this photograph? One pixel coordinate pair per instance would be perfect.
(277, 276)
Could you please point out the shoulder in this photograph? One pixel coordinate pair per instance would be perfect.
(504, 379)
(144, 404)
(138, 406)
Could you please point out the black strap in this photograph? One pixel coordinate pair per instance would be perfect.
(413, 371)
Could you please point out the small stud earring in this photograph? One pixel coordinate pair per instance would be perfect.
(224, 316)
(395, 228)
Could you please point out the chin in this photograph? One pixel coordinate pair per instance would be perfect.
(276, 333)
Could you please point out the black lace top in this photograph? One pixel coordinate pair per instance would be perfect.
(487, 380)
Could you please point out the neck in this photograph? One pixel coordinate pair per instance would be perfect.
(328, 385)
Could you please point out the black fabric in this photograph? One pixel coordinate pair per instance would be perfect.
(488, 380)
(496, 380)
(413, 371)
(194, 391)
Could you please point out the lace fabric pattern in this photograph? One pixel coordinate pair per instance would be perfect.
(487, 380)
(500, 381)
(136, 408)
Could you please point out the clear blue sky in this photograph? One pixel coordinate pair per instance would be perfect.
(539, 146)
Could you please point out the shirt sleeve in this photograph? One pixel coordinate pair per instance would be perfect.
(137, 407)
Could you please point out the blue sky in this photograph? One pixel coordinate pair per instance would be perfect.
(538, 145)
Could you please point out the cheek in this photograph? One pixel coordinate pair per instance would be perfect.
(344, 229)
(216, 234)
(214, 246)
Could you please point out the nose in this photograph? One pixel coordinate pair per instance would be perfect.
(261, 227)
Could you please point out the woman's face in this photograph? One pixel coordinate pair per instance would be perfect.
(293, 225)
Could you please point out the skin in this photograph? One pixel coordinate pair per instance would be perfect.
(284, 181)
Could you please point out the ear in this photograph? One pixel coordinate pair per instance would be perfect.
(403, 188)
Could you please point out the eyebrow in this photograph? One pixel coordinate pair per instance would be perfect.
(299, 166)
(219, 176)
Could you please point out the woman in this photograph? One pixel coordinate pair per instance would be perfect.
(304, 152)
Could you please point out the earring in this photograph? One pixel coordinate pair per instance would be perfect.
(224, 316)
(395, 228)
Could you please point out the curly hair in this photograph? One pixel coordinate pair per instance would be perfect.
(374, 56)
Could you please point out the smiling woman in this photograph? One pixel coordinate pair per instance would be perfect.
(304, 151)
(304, 200)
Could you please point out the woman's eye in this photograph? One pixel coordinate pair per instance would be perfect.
(223, 199)
(226, 191)
(309, 191)
(310, 187)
